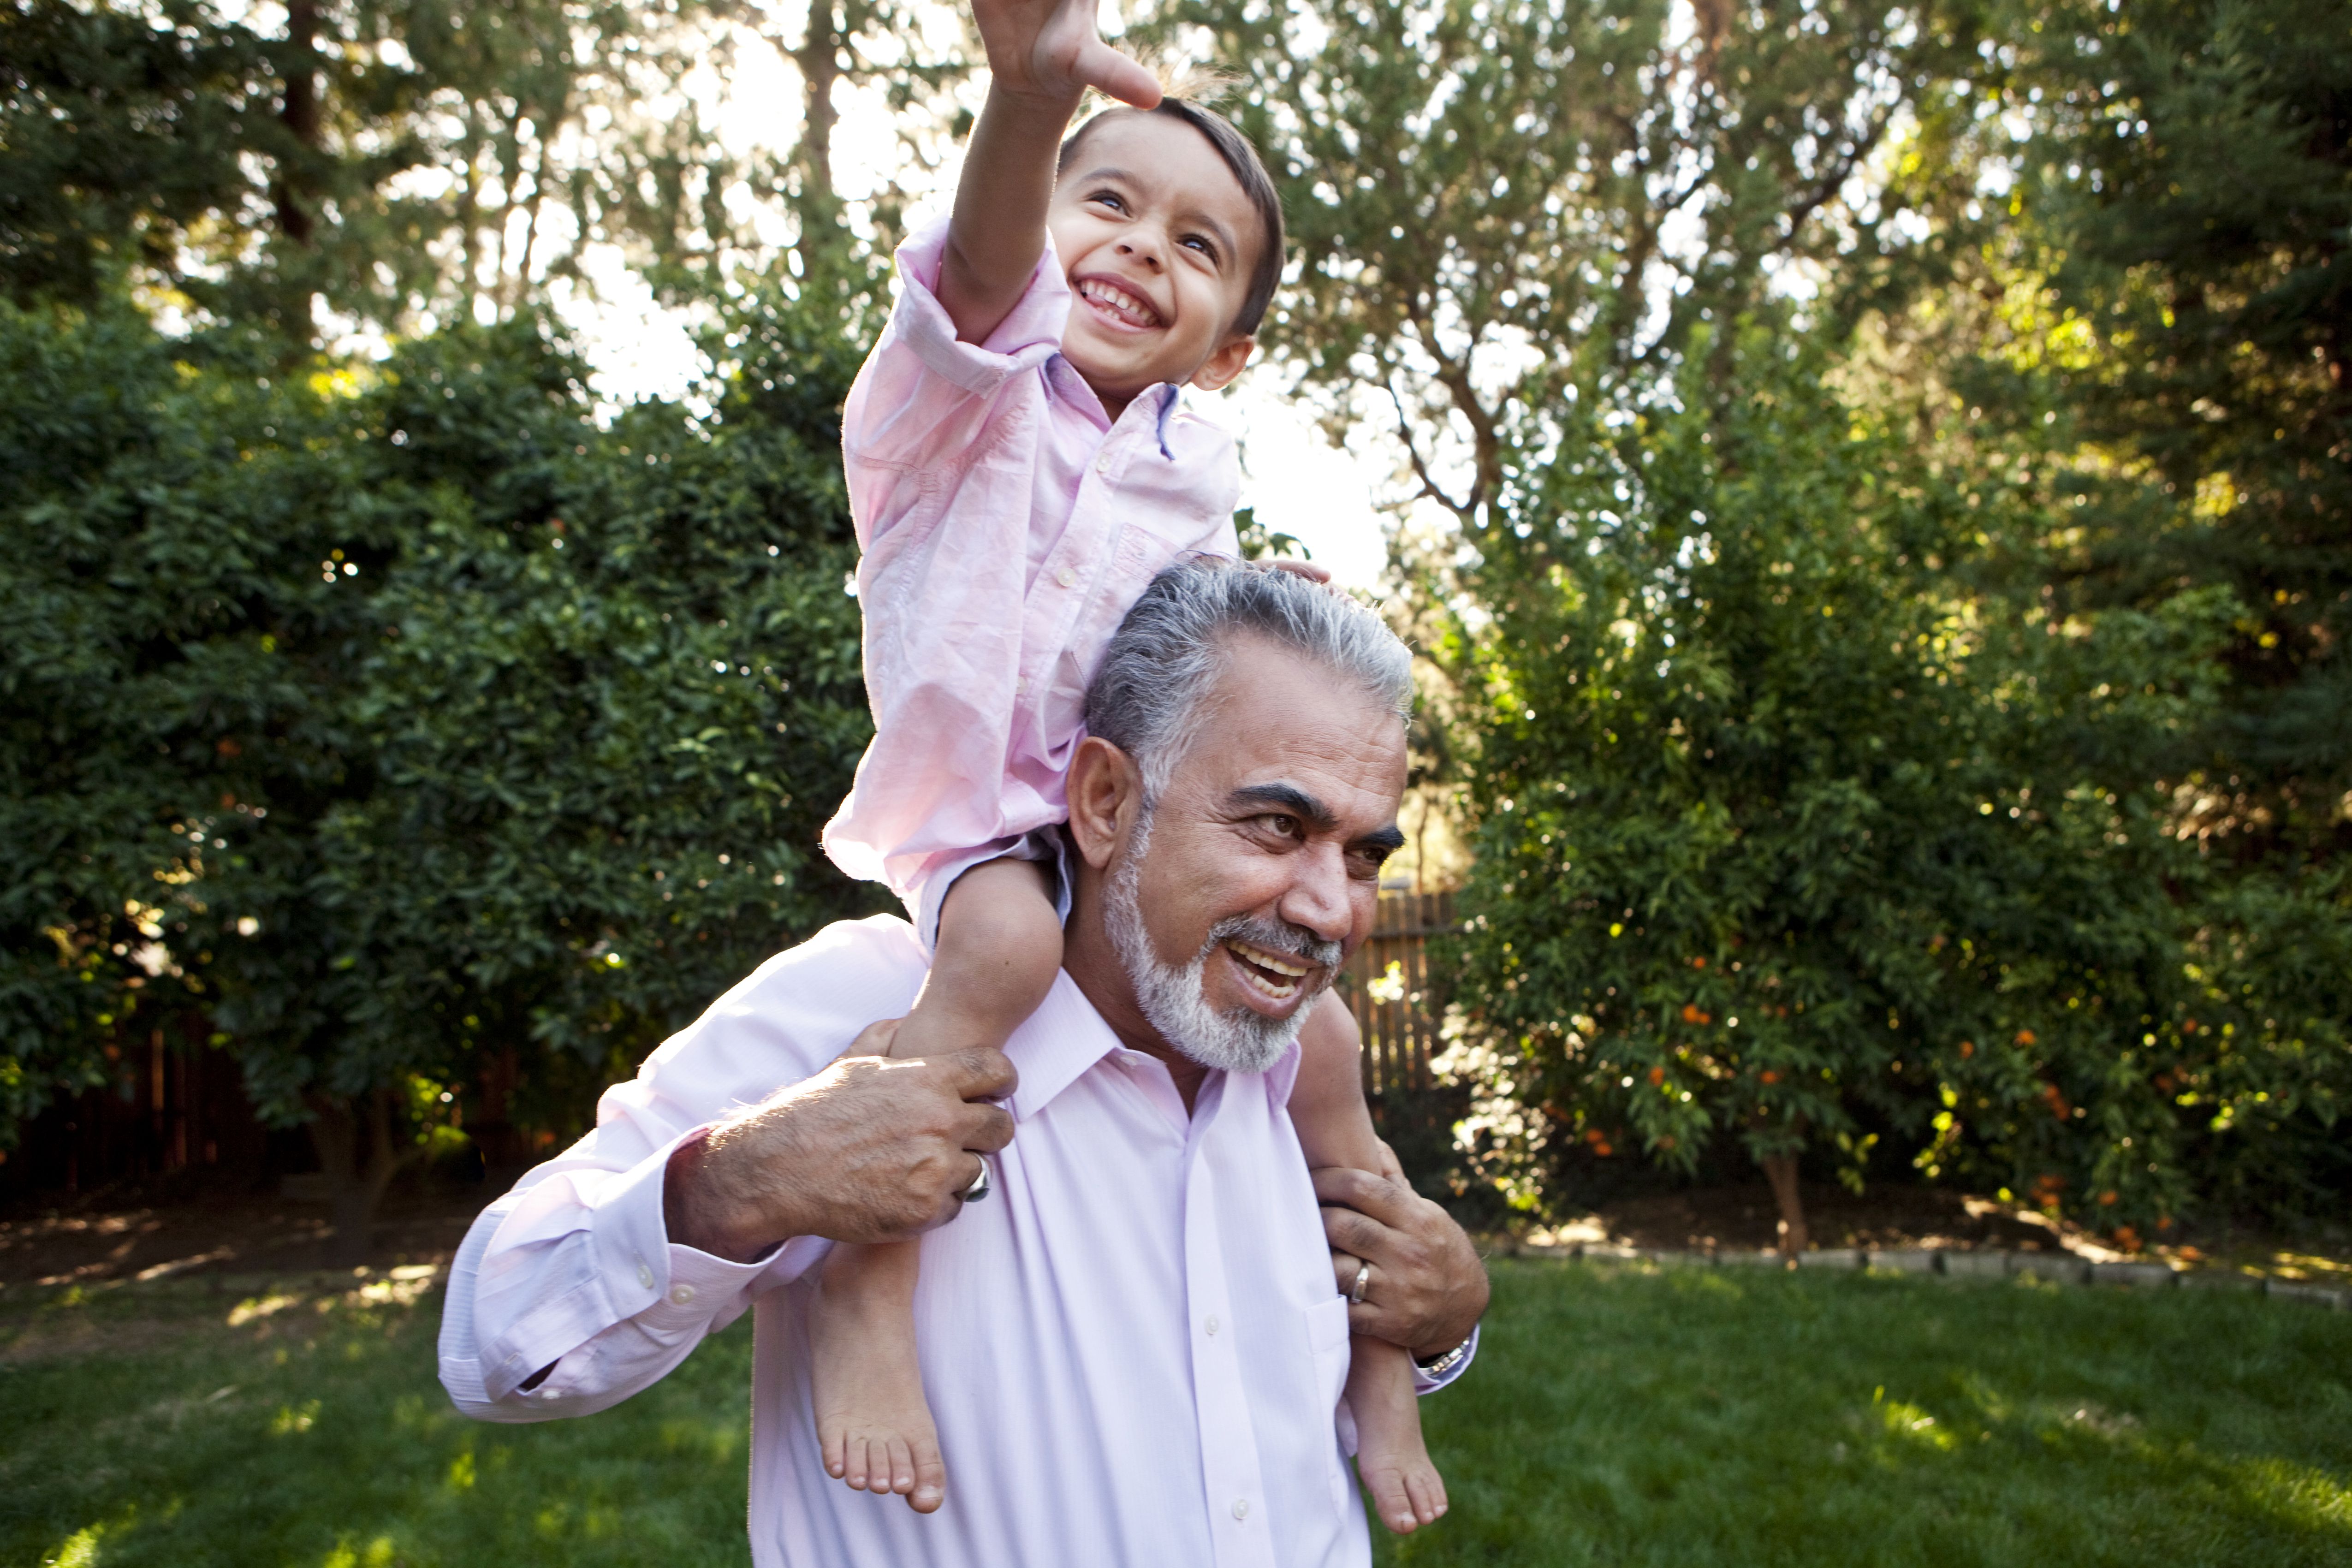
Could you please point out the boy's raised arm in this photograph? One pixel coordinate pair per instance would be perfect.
(1042, 57)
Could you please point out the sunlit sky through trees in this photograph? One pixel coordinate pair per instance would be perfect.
(1298, 483)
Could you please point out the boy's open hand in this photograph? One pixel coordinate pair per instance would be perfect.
(1050, 49)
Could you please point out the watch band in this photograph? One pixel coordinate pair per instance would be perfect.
(1441, 1365)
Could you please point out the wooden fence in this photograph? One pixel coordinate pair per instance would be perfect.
(1389, 987)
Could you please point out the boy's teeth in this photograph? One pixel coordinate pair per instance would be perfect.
(1119, 300)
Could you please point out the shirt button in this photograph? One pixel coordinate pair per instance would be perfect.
(644, 1274)
(1211, 1325)
(1241, 1508)
(1102, 464)
(546, 1393)
(1066, 578)
(681, 1294)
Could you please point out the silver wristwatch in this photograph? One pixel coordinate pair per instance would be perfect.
(1448, 1361)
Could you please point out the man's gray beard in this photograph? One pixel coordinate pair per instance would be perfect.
(1173, 997)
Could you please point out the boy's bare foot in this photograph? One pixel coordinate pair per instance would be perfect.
(1391, 1458)
(872, 1421)
(1407, 1492)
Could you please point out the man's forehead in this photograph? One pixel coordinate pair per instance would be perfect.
(1281, 721)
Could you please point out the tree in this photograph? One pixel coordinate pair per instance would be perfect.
(1590, 265)
(1507, 216)
(398, 166)
(1786, 837)
(400, 723)
(2190, 178)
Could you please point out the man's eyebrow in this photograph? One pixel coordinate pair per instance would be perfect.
(1290, 797)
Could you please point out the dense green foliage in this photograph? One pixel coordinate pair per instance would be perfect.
(1796, 829)
(1880, 505)
(398, 717)
(1875, 493)
(2193, 187)
(1692, 1417)
(367, 159)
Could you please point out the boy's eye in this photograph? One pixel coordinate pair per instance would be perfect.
(1203, 244)
(1109, 199)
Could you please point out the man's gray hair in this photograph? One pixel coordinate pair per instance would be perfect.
(1147, 699)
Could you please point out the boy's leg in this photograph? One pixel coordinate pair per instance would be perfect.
(1391, 1458)
(1000, 943)
(866, 1383)
(1335, 1128)
(999, 947)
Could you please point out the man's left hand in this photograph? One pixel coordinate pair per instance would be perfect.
(1428, 1287)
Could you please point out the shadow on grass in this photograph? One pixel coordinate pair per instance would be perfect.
(1617, 1417)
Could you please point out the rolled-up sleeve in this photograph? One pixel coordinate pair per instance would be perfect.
(926, 400)
(573, 1274)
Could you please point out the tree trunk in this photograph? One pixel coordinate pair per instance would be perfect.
(360, 1156)
(824, 240)
(298, 113)
(1781, 1170)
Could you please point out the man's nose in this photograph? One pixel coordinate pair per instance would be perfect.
(1321, 896)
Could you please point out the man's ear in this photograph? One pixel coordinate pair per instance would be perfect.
(1225, 363)
(1105, 789)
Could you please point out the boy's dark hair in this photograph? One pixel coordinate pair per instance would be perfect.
(1256, 183)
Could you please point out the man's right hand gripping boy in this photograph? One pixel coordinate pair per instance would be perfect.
(1022, 461)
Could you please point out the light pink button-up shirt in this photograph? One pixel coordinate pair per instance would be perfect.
(1132, 1347)
(1007, 525)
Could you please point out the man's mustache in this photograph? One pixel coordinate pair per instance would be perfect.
(1276, 936)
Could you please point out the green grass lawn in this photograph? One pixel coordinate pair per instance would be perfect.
(1691, 1417)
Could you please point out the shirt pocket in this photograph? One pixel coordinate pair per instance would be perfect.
(1328, 1343)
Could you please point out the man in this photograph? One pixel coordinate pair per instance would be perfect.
(1133, 1349)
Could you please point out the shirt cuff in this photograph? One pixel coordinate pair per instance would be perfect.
(1424, 1383)
(1030, 332)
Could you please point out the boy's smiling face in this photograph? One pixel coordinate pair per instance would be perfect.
(1159, 242)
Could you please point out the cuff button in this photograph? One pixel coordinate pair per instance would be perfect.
(681, 1295)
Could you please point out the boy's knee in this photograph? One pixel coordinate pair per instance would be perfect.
(1001, 909)
(1331, 1026)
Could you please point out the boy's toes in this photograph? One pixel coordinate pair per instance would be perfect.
(1428, 1493)
(931, 1479)
(869, 1464)
(1391, 1501)
(902, 1466)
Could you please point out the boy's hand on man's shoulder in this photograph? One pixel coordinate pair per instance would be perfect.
(1053, 49)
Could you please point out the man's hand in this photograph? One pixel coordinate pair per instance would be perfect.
(1051, 50)
(1428, 1287)
(868, 1150)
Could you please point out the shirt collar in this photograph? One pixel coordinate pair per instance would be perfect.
(1062, 1039)
(1063, 380)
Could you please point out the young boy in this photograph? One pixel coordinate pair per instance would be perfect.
(1021, 463)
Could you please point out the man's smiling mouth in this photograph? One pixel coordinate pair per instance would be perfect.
(1275, 976)
(1126, 309)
